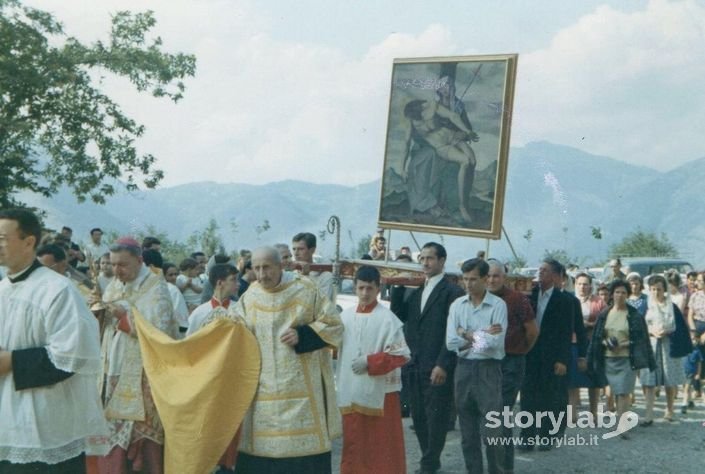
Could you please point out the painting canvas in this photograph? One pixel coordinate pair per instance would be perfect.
(447, 145)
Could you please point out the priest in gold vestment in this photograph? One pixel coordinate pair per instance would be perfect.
(136, 435)
(294, 416)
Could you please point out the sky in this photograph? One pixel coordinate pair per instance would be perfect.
(300, 89)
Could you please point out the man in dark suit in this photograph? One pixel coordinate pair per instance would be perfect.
(545, 386)
(430, 371)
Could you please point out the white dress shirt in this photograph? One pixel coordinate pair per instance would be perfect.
(476, 319)
(428, 288)
(541, 304)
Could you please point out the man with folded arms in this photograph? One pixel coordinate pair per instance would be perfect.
(477, 324)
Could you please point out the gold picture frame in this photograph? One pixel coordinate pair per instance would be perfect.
(447, 145)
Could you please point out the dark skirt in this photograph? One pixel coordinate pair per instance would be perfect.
(577, 379)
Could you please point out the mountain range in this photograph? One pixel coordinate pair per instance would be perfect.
(557, 192)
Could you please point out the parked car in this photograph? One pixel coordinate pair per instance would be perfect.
(646, 266)
(597, 273)
(532, 272)
(348, 299)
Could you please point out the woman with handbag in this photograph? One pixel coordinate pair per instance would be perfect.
(619, 347)
(666, 325)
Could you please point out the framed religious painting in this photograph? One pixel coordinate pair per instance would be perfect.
(447, 146)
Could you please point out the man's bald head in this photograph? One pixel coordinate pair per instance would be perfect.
(267, 265)
(268, 253)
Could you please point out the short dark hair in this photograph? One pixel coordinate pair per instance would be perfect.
(440, 250)
(653, 279)
(556, 266)
(691, 274)
(27, 223)
(221, 258)
(308, 238)
(197, 254)
(187, 264)
(482, 267)
(124, 247)
(167, 265)
(96, 229)
(619, 283)
(404, 257)
(368, 274)
(67, 228)
(53, 250)
(152, 257)
(220, 271)
(147, 242)
(584, 275)
(602, 287)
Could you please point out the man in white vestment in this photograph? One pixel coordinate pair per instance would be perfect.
(49, 359)
(294, 416)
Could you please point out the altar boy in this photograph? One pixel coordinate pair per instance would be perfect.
(369, 380)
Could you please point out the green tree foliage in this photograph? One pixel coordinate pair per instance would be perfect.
(644, 244)
(262, 228)
(51, 105)
(363, 246)
(172, 250)
(558, 254)
(596, 232)
(517, 261)
(208, 240)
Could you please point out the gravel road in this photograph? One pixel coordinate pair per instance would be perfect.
(664, 447)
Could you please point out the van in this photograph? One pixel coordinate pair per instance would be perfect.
(646, 266)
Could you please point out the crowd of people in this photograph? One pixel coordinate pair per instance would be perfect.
(450, 348)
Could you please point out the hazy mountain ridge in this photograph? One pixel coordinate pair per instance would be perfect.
(557, 191)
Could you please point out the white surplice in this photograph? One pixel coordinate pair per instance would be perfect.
(49, 424)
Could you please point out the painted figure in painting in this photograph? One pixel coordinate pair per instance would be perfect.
(439, 129)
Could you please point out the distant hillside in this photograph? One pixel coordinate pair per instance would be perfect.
(556, 191)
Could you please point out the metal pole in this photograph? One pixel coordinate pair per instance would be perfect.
(414, 239)
(511, 247)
